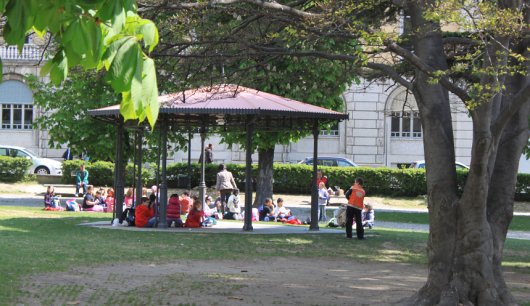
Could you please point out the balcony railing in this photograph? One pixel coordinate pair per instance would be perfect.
(28, 53)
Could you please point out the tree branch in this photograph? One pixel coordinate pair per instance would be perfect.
(423, 67)
(175, 5)
(518, 100)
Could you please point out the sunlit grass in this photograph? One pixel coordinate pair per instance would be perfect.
(37, 241)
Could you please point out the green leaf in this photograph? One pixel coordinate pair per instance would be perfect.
(149, 33)
(113, 11)
(136, 90)
(3, 5)
(57, 68)
(150, 91)
(47, 18)
(112, 50)
(123, 66)
(127, 106)
(20, 17)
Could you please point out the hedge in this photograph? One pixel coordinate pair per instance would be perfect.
(101, 173)
(14, 169)
(290, 178)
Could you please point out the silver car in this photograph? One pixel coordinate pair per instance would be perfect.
(40, 165)
(331, 161)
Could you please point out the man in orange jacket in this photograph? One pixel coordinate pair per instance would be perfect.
(355, 208)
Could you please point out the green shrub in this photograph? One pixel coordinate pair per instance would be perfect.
(288, 178)
(14, 169)
(101, 173)
(522, 188)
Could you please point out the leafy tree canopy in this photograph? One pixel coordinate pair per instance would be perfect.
(65, 117)
(201, 46)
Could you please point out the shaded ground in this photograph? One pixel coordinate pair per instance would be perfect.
(279, 281)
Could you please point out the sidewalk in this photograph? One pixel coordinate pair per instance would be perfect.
(32, 196)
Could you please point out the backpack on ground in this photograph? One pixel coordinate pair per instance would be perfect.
(340, 216)
(128, 216)
(71, 205)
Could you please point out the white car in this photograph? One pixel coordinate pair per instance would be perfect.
(40, 165)
(420, 164)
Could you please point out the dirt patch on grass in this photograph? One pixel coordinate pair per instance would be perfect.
(280, 281)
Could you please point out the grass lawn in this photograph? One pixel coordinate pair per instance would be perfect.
(35, 241)
(519, 223)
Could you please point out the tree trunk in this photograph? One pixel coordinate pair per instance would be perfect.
(264, 188)
(433, 103)
(466, 236)
(501, 194)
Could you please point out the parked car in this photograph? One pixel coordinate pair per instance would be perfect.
(420, 164)
(40, 165)
(330, 161)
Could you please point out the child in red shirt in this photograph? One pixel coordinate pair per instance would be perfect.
(144, 215)
(195, 215)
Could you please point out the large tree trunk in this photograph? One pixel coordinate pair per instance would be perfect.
(466, 236)
(265, 176)
(433, 103)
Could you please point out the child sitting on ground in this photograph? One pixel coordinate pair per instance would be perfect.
(267, 213)
(129, 198)
(195, 215)
(185, 203)
(209, 209)
(109, 200)
(89, 202)
(48, 197)
(281, 211)
(368, 216)
(234, 207)
(144, 215)
(173, 211)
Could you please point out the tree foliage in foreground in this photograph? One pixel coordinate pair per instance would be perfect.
(100, 34)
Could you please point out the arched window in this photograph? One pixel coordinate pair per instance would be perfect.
(405, 117)
(16, 100)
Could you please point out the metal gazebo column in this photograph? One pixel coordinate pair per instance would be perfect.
(189, 160)
(139, 184)
(118, 171)
(202, 184)
(314, 189)
(162, 222)
(248, 178)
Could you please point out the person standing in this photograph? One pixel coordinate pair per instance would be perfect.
(225, 184)
(81, 179)
(67, 155)
(355, 196)
(208, 152)
(323, 198)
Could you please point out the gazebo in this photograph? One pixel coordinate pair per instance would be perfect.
(218, 108)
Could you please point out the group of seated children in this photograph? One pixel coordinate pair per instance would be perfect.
(100, 201)
(271, 213)
(177, 207)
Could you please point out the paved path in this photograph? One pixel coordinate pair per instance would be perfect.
(298, 203)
